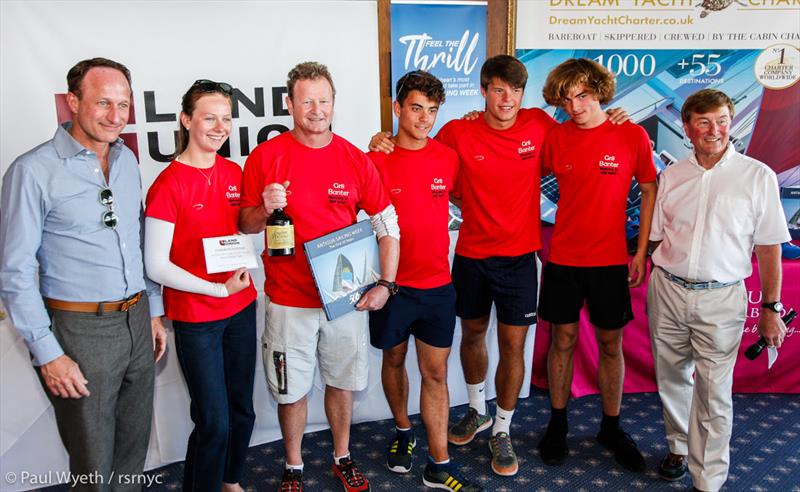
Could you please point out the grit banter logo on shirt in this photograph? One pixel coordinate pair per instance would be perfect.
(526, 150)
(338, 193)
(608, 164)
(253, 103)
(438, 188)
(233, 195)
(424, 53)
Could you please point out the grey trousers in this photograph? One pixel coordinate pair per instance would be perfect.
(107, 433)
(697, 332)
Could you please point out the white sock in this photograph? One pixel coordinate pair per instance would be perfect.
(294, 467)
(336, 459)
(477, 397)
(502, 421)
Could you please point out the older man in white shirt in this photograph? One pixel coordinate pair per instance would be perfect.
(713, 210)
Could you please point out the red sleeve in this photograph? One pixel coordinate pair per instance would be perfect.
(378, 159)
(447, 134)
(457, 190)
(253, 180)
(548, 152)
(372, 196)
(645, 168)
(162, 198)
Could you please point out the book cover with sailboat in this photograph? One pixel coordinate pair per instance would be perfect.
(344, 264)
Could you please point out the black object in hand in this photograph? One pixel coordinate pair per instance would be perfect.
(755, 350)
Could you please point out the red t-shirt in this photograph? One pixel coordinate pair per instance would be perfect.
(594, 169)
(419, 184)
(499, 183)
(183, 196)
(328, 186)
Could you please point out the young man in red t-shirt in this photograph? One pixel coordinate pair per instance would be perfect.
(419, 175)
(495, 263)
(321, 181)
(594, 162)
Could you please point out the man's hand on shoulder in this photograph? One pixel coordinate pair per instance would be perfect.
(618, 115)
(373, 299)
(159, 334)
(382, 142)
(771, 327)
(64, 378)
(472, 115)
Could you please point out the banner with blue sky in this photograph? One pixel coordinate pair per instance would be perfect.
(447, 39)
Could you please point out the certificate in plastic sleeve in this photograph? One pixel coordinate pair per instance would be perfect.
(227, 253)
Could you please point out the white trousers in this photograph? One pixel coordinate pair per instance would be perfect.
(697, 332)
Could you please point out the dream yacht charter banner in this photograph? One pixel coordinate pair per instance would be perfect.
(664, 50)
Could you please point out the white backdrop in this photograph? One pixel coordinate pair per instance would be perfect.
(167, 45)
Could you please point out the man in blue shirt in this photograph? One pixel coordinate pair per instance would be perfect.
(70, 211)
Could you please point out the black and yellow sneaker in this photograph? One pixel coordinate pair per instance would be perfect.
(447, 477)
(401, 450)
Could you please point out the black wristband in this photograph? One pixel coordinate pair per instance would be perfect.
(392, 287)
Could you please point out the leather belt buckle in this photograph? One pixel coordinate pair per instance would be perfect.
(128, 303)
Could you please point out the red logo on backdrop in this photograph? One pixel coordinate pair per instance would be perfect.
(64, 114)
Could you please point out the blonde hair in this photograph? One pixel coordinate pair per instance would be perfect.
(579, 71)
(308, 71)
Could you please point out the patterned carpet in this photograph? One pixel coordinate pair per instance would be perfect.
(765, 451)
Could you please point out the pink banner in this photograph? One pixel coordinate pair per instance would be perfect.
(749, 376)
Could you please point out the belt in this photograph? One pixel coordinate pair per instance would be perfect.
(94, 307)
(692, 285)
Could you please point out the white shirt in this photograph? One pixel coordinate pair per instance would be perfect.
(709, 221)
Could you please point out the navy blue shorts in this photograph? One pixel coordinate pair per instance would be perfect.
(508, 281)
(428, 314)
(604, 289)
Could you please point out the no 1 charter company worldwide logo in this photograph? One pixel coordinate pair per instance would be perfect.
(778, 66)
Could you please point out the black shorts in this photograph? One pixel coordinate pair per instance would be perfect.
(428, 314)
(604, 289)
(508, 281)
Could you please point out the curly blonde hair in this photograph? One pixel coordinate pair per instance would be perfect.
(579, 71)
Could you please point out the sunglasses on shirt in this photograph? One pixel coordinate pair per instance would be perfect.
(205, 85)
(109, 218)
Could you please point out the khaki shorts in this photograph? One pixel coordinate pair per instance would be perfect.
(295, 339)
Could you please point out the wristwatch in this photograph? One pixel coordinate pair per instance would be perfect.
(776, 306)
(392, 287)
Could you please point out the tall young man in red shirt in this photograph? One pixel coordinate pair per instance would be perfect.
(594, 163)
(419, 175)
(495, 258)
(321, 181)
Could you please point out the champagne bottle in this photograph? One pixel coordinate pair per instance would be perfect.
(755, 350)
(280, 234)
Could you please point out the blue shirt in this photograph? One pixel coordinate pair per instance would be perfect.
(50, 218)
